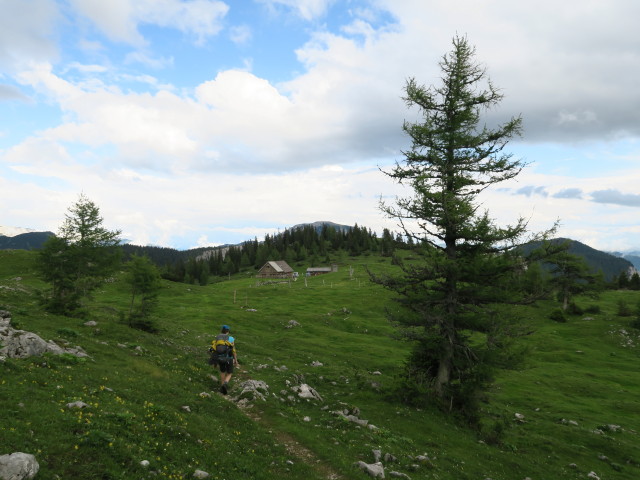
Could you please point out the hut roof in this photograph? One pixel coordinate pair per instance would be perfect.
(280, 266)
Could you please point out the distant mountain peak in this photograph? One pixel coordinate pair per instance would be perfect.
(319, 224)
(13, 231)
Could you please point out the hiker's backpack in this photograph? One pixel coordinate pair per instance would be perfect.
(223, 346)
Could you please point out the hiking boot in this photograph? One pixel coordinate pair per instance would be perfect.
(223, 389)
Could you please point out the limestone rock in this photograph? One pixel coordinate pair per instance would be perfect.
(305, 391)
(253, 390)
(18, 466)
(375, 470)
(23, 344)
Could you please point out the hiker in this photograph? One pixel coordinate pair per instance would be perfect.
(223, 347)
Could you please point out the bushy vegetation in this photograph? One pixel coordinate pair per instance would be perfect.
(575, 399)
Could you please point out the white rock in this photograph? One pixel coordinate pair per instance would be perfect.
(144, 463)
(375, 470)
(200, 474)
(399, 475)
(18, 466)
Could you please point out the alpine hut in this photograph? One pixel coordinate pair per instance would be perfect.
(275, 269)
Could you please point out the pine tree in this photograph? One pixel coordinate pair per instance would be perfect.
(79, 258)
(467, 260)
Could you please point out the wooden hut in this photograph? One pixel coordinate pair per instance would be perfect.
(275, 269)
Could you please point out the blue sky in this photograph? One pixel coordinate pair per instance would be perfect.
(204, 122)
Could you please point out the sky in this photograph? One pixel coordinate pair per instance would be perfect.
(195, 123)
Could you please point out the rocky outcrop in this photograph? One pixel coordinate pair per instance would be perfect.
(22, 344)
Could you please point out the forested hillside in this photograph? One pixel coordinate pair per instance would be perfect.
(306, 243)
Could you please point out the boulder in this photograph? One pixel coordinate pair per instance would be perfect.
(23, 344)
(253, 390)
(18, 466)
(375, 470)
(305, 391)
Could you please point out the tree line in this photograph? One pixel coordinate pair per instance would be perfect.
(309, 245)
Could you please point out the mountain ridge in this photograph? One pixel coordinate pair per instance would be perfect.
(610, 263)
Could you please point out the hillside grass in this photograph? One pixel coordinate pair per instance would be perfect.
(577, 396)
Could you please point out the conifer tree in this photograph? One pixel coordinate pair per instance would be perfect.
(79, 258)
(467, 261)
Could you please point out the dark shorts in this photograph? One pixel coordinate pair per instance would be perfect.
(226, 366)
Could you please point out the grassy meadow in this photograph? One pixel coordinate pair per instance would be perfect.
(571, 410)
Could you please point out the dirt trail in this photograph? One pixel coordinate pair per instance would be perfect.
(295, 448)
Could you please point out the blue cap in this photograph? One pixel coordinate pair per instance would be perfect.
(226, 327)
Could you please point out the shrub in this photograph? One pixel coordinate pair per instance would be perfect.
(592, 309)
(67, 332)
(624, 310)
(574, 309)
(558, 316)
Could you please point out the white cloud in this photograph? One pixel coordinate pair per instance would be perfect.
(119, 19)
(305, 9)
(164, 161)
(240, 34)
(148, 60)
(27, 32)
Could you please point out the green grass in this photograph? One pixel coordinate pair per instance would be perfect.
(580, 377)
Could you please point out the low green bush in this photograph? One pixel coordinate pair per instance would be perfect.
(558, 316)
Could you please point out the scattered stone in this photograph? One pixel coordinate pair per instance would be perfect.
(253, 390)
(305, 391)
(77, 404)
(519, 417)
(377, 455)
(291, 324)
(283, 368)
(205, 394)
(357, 421)
(593, 476)
(376, 373)
(144, 463)
(186, 408)
(316, 364)
(18, 466)
(399, 475)
(375, 470)
(90, 323)
(564, 421)
(307, 419)
(289, 462)
(573, 465)
(390, 458)
(201, 474)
